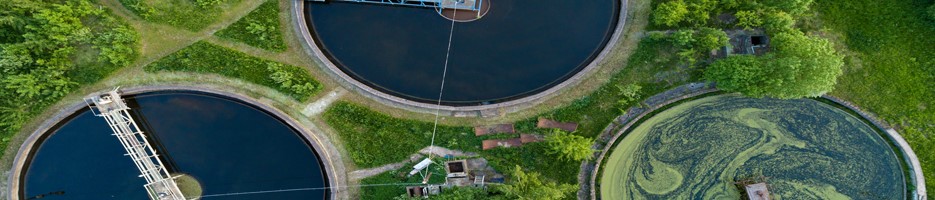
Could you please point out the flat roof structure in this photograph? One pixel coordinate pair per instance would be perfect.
(758, 191)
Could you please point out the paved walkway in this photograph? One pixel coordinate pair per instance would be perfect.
(320, 105)
(442, 151)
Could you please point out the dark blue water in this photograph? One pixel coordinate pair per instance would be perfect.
(517, 49)
(228, 146)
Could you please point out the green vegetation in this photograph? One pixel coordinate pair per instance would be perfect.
(391, 140)
(799, 66)
(531, 186)
(931, 12)
(629, 94)
(569, 147)
(670, 13)
(521, 185)
(652, 68)
(204, 57)
(708, 39)
(456, 193)
(260, 28)
(889, 68)
(192, 15)
(401, 179)
(748, 19)
(741, 137)
(49, 48)
(384, 139)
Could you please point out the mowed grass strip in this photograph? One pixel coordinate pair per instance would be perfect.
(892, 71)
(204, 57)
(260, 28)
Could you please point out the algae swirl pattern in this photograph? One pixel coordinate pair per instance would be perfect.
(807, 149)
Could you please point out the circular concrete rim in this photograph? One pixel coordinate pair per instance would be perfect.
(385, 98)
(909, 156)
(26, 148)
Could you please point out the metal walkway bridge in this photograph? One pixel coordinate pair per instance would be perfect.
(472, 5)
(159, 183)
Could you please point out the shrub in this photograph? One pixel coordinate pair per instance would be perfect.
(931, 12)
(741, 73)
(569, 147)
(260, 28)
(531, 186)
(709, 39)
(670, 13)
(683, 38)
(777, 21)
(628, 93)
(794, 7)
(748, 19)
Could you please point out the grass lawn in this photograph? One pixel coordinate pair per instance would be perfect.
(375, 139)
(891, 69)
(192, 15)
(204, 57)
(260, 28)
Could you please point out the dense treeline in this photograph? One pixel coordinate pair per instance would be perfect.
(798, 64)
(48, 48)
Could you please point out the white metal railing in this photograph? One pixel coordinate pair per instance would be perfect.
(159, 183)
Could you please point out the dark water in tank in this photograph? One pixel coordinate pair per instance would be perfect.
(519, 48)
(225, 144)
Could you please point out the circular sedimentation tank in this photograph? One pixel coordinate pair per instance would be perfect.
(515, 49)
(219, 144)
(805, 148)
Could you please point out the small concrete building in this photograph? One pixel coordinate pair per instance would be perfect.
(757, 191)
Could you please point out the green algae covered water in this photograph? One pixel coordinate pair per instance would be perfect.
(806, 149)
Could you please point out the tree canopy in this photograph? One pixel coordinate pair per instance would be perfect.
(568, 146)
(709, 39)
(930, 11)
(670, 13)
(799, 66)
(531, 186)
(41, 46)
